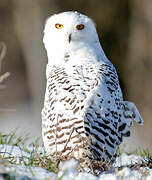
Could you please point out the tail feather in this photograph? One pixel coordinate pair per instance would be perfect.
(136, 115)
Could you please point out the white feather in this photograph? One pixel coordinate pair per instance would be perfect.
(82, 90)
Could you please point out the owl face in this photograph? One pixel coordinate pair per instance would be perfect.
(68, 32)
(69, 27)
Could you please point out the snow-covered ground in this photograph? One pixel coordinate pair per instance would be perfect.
(67, 169)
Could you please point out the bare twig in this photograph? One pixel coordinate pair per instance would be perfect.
(68, 139)
(3, 50)
(4, 76)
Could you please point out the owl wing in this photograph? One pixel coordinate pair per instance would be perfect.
(108, 118)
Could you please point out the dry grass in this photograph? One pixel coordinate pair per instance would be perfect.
(52, 163)
(86, 161)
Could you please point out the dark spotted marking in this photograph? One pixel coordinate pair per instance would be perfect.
(112, 140)
(97, 154)
(107, 114)
(75, 110)
(100, 130)
(72, 101)
(62, 120)
(50, 137)
(59, 136)
(111, 145)
(87, 131)
(82, 107)
(127, 134)
(122, 127)
(104, 126)
(89, 115)
(98, 115)
(61, 142)
(67, 88)
(111, 90)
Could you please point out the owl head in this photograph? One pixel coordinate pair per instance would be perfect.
(68, 31)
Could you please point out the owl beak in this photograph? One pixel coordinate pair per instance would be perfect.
(70, 38)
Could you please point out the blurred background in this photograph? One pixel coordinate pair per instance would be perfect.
(125, 30)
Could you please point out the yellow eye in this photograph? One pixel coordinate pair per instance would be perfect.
(80, 26)
(59, 26)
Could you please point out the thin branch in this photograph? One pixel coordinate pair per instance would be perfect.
(4, 76)
(3, 50)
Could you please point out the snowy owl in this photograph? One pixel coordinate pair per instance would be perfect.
(84, 111)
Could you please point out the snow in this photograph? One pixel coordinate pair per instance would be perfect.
(124, 159)
(67, 170)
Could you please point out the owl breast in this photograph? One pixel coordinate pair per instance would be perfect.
(81, 112)
(66, 99)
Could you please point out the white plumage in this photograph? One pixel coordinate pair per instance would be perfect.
(83, 106)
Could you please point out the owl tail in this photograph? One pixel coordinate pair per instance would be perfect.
(129, 106)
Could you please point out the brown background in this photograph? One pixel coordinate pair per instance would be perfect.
(125, 28)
